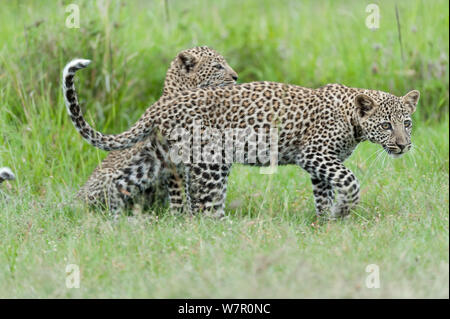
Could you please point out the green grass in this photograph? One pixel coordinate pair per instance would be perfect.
(269, 245)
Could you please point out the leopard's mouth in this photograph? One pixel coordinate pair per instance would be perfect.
(224, 83)
(396, 152)
(228, 82)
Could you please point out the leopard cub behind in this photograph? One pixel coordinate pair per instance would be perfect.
(126, 176)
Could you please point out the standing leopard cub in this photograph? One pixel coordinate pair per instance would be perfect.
(192, 68)
(317, 129)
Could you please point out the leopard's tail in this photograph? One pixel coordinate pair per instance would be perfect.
(105, 142)
(6, 174)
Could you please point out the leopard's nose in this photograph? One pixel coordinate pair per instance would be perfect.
(401, 146)
(233, 74)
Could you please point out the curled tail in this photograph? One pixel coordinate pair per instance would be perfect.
(105, 142)
(6, 174)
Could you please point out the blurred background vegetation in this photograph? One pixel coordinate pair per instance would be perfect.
(309, 43)
(269, 246)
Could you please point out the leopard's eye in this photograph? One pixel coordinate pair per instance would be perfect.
(407, 123)
(386, 126)
(218, 66)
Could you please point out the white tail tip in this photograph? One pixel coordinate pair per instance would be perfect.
(77, 64)
(6, 173)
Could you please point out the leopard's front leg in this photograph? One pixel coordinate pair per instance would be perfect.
(323, 196)
(329, 170)
(347, 189)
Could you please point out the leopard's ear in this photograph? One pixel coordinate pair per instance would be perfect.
(410, 100)
(365, 106)
(187, 61)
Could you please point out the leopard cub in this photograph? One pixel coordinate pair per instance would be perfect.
(127, 176)
(316, 129)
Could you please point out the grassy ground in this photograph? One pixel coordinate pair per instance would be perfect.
(269, 246)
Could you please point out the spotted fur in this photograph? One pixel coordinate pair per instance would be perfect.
(133, 167)
(317, 129)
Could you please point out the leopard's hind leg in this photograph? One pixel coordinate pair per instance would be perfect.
(206, 188)
(136, 178)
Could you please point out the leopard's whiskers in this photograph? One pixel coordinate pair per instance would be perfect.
(368, 171)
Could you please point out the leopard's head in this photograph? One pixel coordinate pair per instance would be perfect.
(198, 67)
(385, 119)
